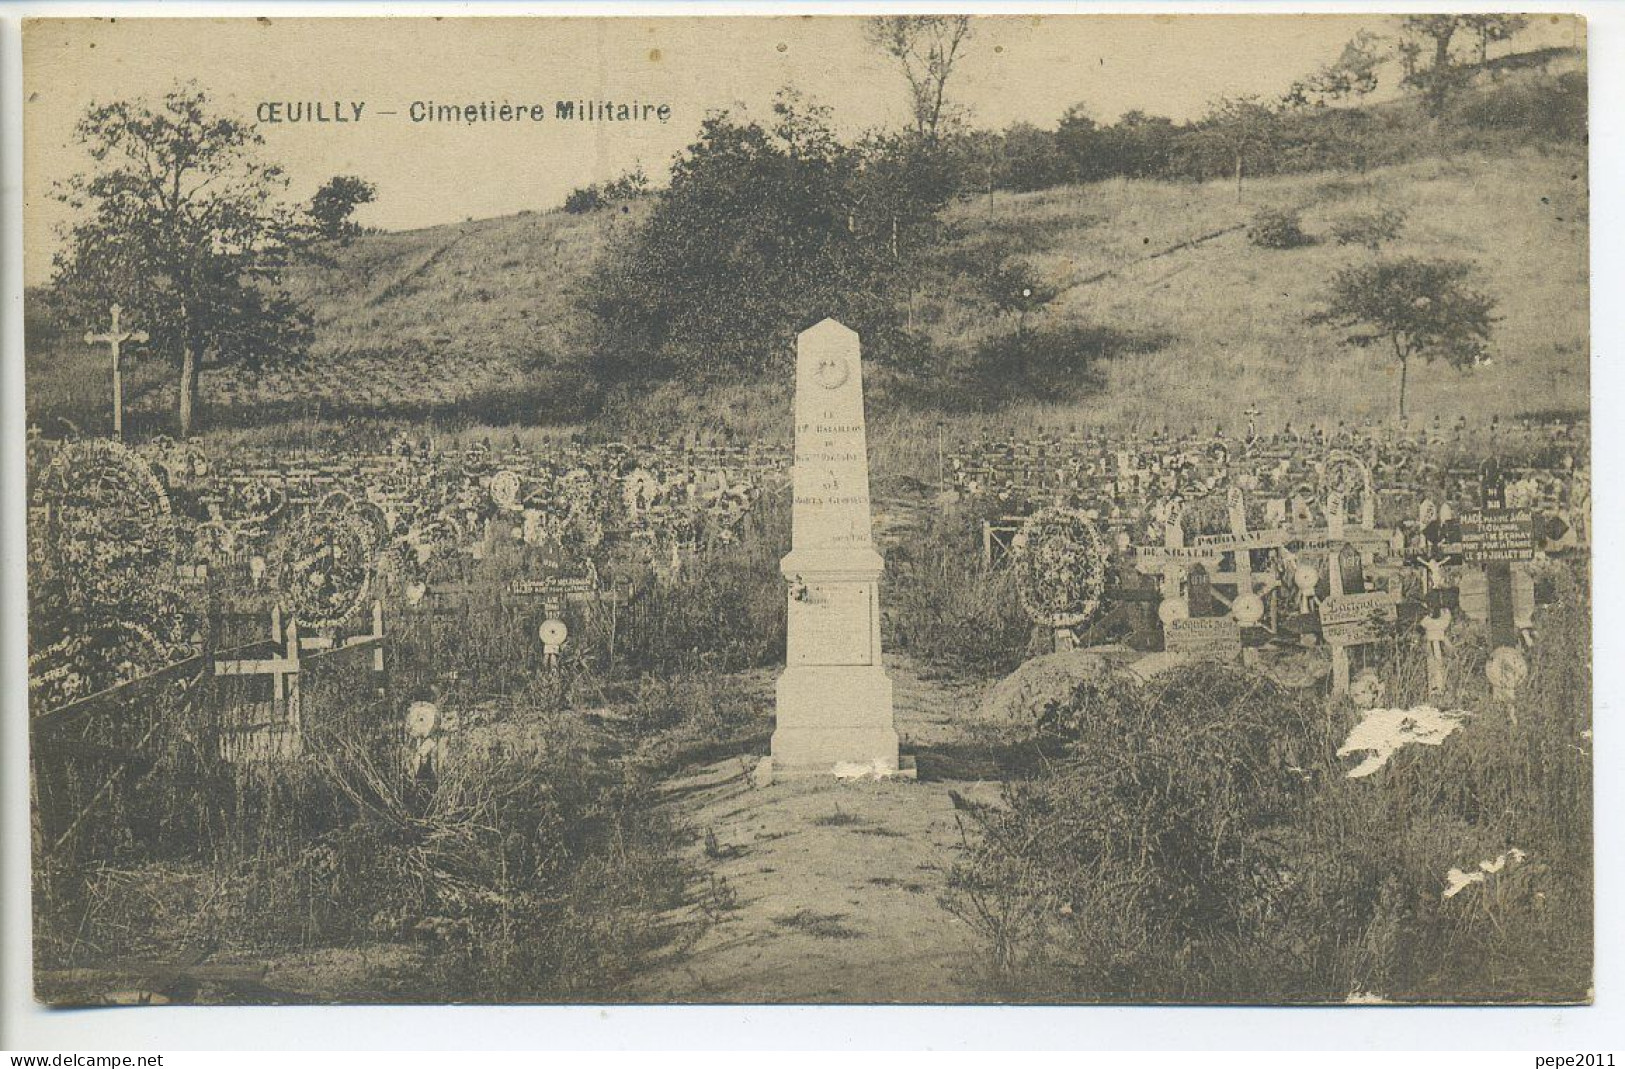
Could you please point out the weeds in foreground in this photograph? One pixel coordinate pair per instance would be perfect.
(1200, 841)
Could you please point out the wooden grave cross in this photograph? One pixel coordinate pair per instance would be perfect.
(1497, 537)
(113, 338)
(284, 734)
(1351, 615)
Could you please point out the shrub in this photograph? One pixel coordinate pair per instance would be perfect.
(583, 200)
(1370, 229)
(1199, 840)
(1277, 228)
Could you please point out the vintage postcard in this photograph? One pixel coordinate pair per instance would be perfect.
(888, 509)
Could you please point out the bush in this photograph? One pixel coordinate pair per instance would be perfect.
(1370, 229)
(1199, 840)
(584, 200)
(530, 867)
(1277, 228)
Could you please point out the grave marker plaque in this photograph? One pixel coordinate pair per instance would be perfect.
(1356, 619)
(1491, 535)
(1214, 637)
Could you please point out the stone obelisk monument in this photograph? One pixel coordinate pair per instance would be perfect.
(834, 698)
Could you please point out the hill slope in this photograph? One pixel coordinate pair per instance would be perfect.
(457, 318)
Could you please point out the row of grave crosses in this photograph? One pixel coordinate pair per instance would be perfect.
(1351, 615)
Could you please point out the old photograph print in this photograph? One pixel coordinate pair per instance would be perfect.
(893, 509)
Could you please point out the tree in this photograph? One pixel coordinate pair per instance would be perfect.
(1031, 159)
(900, 183)
(1492, 28)
(926, 47)
(1139, 145)
(181, 224)
(1242, 125)
(1442, 75)
(1418, 307)
(334, 204)
(1078, 138)
(1354, 74)
(758, 235)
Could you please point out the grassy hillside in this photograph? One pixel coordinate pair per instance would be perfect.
(464, 320)
(1231, 317)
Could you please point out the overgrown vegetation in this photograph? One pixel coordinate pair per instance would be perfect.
(527, 859)
(1277, 228)
(1202, 842)
(946, 609)
(1370, 229)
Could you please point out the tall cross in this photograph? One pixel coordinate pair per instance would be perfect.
(114, 338)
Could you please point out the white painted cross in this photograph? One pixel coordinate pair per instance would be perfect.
(114, 338)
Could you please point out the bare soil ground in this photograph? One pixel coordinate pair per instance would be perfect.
(829, 891)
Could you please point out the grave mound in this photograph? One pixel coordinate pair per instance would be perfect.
(1044, 684)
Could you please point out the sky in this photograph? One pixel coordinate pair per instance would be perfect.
(1015, 68)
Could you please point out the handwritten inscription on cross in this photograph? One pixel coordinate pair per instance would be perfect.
(113, 339)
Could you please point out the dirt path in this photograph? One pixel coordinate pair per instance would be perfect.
(827, 891)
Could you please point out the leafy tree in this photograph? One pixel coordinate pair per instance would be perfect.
(1243, 127)
(1354, 74)
(180, 222)
(900, 183)
(1014, 287)
(334, 204)
(1417, 307)
(1031, 159)
(1442, 76)
(926, 47)
(1079, 140)
(758, 235)
(1139, 145)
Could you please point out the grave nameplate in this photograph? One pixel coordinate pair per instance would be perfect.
(1356, 619)
(558, 584)
(1216, 637)
(1497, 535)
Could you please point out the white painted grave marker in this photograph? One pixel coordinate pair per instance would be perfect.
(113, 338)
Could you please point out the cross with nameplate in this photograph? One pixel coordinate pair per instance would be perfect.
(113, 338)
(1497, 537)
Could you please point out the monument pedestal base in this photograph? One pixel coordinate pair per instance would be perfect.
(836, 720)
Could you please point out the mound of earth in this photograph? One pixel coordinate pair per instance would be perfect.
(1045, 683)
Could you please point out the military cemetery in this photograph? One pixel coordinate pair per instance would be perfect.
(990, 592)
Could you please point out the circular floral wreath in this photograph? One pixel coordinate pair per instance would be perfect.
(105, 476)
(1346, 474)
(108, 538)
(324, 563)
(505, 490)
(1060, 565)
